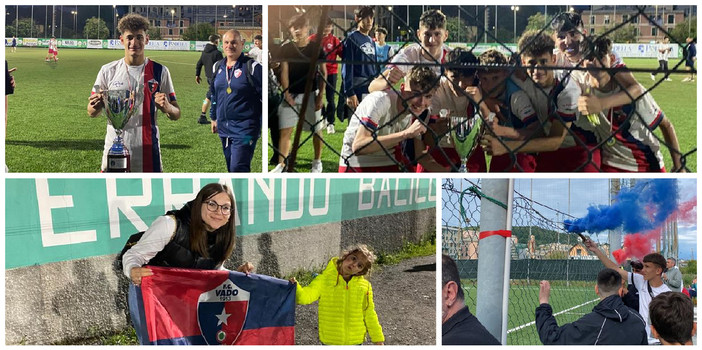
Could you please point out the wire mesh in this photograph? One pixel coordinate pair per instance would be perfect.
(540, 250)
(611, 134)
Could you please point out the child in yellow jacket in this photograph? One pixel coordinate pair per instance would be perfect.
(346, 308)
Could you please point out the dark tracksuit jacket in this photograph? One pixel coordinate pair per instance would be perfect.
(610, 323)
(464, 329)
(210, 55)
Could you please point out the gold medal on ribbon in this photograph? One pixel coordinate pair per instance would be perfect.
(229, 90)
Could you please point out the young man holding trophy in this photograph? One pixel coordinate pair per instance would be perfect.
(133, 86)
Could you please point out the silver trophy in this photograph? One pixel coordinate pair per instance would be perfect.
(466, 137)
(119, 107)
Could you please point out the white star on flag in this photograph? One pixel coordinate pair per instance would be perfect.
(223, 317)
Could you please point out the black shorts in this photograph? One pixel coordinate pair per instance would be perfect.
(209, 94)
(689, 63)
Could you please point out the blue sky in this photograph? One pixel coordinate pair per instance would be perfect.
(584, 193)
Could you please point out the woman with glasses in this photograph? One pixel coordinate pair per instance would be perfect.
(200, 235)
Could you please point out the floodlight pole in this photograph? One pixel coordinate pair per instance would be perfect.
(493, 259)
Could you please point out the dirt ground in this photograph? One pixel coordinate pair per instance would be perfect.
(405, 300)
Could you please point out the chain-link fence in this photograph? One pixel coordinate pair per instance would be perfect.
(622, 127)
(540, 250)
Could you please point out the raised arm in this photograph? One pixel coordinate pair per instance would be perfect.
(592, 246)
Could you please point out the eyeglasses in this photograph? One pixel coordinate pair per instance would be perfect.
(212, 206)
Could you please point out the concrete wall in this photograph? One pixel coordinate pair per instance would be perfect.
(60, 301)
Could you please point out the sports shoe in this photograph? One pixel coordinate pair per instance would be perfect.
(653, 77)
(668, 79)
(316, 166)
(686, 79)
(203, 120)
(278, 169)
(330, 129)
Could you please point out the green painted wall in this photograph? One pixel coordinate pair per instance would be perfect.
(49, 220)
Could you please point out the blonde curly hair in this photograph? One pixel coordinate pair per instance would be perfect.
(358, 248)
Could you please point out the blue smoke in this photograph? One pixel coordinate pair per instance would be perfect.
(632, 209)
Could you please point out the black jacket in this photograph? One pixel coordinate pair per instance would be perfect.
(610, 323)
(177, 252)
(210, 55)
(464, 329)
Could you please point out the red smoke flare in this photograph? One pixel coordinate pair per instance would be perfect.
(687, 211)
(619, 255)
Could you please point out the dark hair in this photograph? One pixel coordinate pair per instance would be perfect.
(672, 316)
(463, 57)
(258, 37)
(596, 48)
(534, 43)
(225, 235)
(422, 78)
(656, 258)
(299, 20)
(566, 22)
(133, 22)
(492, 57)
(382, 30)
(213, 38)
(433, 19)
(449, 272)
(636, 265)
(364, 11)
(608, 282)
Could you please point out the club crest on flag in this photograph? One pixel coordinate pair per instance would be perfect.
(153, 86)
(237, 73)
(221, 313)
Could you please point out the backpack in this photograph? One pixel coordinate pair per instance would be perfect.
(133, 239)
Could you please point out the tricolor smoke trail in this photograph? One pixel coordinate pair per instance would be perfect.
(641, 212)
(641, 208)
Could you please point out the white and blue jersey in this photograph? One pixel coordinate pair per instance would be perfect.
(141, 134)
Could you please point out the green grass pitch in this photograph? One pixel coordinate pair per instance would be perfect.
(49, 130)
(677, 99)
(524, 298)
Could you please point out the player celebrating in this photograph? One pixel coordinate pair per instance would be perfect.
(555, 101)
(453, 95)
(516, 118)
(383, 120)
(432, 32)
(627, 129)
(53, 50)
(151, 81)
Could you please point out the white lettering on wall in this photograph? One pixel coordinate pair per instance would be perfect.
(384, 192)
(116, 203)
(398, 201)
(286, 214)
(363, 187)
(432, 197)
(46, 203)
(417, 197)
(325, 209)
(268, 189)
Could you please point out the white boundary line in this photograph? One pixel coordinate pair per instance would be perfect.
(556, 314)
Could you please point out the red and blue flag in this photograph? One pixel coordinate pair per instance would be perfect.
(215, 307)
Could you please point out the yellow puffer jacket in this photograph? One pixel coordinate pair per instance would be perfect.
(346, 310)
